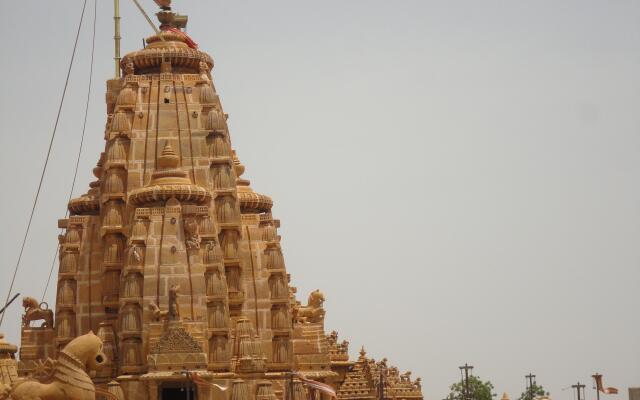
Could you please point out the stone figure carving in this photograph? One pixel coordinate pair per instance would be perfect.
(173, 313)
(70, 378)
(313, 312)
(135, 256)
(192, 233)
(204, 71)
(34, 311)
(129, 69)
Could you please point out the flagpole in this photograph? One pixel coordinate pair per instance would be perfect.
(595, 377)
(116, 35)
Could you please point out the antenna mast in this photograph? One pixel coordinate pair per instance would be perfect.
(116, 36)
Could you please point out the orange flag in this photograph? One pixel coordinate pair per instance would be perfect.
(600, 387)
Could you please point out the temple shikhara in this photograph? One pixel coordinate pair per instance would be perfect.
(171, 280)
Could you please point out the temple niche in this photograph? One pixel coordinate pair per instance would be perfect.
(176, 262)
(215, 284)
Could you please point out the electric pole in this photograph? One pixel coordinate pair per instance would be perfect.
(531, 381)
(465, 372)
(580, 389)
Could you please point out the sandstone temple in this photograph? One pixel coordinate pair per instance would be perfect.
(175, 262)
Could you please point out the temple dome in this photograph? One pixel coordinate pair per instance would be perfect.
(173, 49)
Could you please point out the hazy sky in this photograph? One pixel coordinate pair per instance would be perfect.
(461, 178)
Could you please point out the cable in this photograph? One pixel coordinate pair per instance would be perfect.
(84, 128)
(146, 16)
(46, 163)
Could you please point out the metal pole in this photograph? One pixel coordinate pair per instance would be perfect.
(116, 36)
(531, 378)
(466, 392)
(578, 388)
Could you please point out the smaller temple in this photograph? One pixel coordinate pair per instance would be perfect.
(368, 379)
(8, 364)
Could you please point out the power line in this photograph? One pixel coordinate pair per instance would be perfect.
(46, 162)
(84, 128)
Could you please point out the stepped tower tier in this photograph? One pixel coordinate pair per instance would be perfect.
(172, 258)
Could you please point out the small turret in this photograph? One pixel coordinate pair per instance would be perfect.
(8, 364)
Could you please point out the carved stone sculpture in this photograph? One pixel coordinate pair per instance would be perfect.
(34, 311)
(313, 312)
(70, 379)
(192, 233)
(173, 312)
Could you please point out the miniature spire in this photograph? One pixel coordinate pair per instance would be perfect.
(8, 365)
(168, 158)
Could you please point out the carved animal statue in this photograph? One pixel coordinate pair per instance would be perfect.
(34, 311)
(70, 378)
(313, 312)
(156, 313)
(173, 313)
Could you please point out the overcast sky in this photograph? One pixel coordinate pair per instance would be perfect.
(461, 178)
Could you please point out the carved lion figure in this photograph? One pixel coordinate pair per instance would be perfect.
(313, 312)
(70, 378)
(34, 311)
